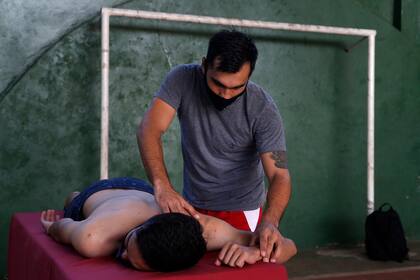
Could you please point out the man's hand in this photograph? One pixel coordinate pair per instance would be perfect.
(269, 239)
(48, 217)
(235, 255)
(171, 201)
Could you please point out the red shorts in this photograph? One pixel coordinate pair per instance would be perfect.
(244, 220)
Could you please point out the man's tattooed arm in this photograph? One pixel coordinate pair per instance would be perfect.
(280, 159)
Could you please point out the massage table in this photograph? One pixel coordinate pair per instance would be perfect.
(33, 255)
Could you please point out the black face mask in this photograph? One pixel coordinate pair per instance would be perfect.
(219, 102)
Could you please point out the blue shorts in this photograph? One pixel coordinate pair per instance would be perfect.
(75, 209)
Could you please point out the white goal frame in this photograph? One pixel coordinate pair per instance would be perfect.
(149, 15)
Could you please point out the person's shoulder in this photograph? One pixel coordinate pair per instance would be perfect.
(185, 69)
(258, 98)
(183, 74)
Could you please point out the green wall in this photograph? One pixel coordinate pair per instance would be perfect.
(50, 103)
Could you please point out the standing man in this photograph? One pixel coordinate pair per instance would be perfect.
(231, 135)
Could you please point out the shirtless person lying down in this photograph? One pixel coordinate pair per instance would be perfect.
(121, 216)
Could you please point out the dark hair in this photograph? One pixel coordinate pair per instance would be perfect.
(231, 49)
(171, 241)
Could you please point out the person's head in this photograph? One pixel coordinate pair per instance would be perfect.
(230, 61)
(166, 242)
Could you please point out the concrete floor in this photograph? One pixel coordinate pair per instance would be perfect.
(351, 263)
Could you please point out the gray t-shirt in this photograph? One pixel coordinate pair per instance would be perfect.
(222, 166)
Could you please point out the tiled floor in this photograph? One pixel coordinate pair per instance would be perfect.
(351, 263)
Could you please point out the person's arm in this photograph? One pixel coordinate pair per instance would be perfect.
(267, 232)
(218, 233)
(80, 235)
(234, 244)
(236, 255)
(61, 230)
(153, 125)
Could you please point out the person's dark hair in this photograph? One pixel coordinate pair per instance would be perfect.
(170, 242)
(230, 49)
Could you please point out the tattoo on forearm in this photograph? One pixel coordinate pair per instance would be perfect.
(280, 159)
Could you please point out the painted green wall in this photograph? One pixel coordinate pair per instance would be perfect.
(50, 104)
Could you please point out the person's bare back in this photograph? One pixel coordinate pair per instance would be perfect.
(127, 208)
(112, 217)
